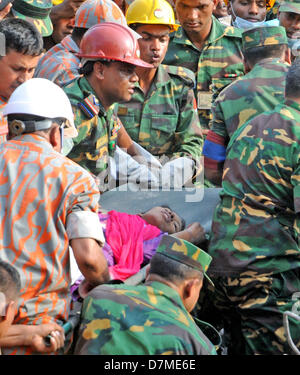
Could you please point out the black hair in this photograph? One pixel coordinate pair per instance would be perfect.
(88, 67)
(292, 86)
(21, 36)
(78, 33)
(255, 54)
(10, 282)
(172, 270)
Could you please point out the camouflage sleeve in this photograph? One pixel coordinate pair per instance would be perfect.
(83, 124)
(85, 151)
(295, 180)
(188, 135)
(217, 124)
(57, 73)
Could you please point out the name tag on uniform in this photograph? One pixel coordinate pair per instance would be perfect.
(204, 99)
(122, 111)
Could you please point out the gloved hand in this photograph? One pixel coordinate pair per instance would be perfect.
(126, 169)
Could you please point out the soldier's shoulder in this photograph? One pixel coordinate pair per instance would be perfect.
(183, 75)
(82, 99)
(73, 90)
(229, 31)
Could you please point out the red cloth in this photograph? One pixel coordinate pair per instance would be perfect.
(125, 234)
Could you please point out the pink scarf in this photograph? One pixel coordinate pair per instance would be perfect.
(125, 234)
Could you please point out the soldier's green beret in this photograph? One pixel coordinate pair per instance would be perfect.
(263, 36)
(36, 12)
(290, 6)
(185, 252)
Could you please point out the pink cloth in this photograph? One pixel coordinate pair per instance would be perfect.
(125, 234)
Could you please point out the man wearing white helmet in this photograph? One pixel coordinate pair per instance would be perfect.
(47, 202)
(60, 64)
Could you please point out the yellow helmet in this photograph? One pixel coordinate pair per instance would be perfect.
(153, 12)
(270, 3)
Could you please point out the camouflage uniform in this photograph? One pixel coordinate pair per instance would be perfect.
(60, 64)
(215, 66)
(258, 91)
(165, 122)
(97, 128)
(255, 232)
(144, 319)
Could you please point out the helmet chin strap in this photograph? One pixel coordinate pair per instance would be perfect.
(18, 127)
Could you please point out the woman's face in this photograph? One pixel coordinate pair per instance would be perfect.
(163, 218)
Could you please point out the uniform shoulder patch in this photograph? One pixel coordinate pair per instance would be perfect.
(183, 74)
(89, 106)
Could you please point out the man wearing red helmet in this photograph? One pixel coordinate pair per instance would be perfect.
(109, 53)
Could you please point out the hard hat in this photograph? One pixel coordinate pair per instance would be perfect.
(269, 3)
(92, 12)
(111, 41)
(41, 97)
(154, 12)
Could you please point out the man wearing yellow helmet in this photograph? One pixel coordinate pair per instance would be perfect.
(161, 115)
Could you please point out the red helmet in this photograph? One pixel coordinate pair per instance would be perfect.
(111, 41)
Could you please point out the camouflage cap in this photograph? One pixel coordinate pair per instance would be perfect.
(290, 6)
(92, 12)
(36, 12)
(185, 252)
(263, 36)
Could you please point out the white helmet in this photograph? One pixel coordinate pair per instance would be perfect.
(41, 97)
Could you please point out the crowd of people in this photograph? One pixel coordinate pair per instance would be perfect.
(157, 94)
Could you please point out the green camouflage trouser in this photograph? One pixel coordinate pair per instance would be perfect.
(252, 312)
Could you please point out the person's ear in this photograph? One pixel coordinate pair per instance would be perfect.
(190, 287)
(10, 311)
(54, 138)
(288, 56)
(99, 70)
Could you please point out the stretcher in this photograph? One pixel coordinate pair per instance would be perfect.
(192, 204)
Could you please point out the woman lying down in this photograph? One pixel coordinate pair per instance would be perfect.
(132, 240)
